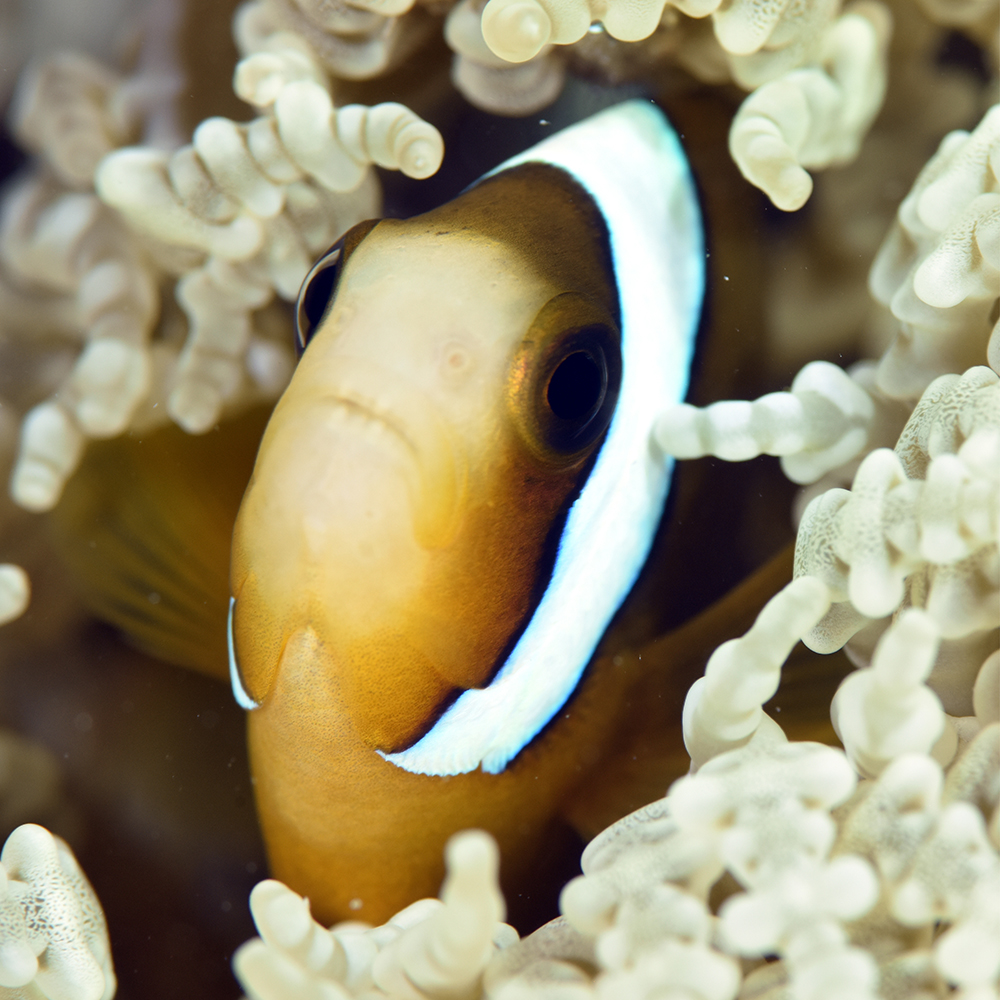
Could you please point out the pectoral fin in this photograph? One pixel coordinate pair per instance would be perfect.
(144, 528)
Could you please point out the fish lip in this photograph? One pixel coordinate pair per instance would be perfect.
(411, 417)
(355, 402)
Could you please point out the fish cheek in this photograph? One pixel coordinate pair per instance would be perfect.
(391, 689)
(480, 592)
(399, 668)
(398, 673)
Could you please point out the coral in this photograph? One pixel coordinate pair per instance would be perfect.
(885, 710)
(916, 539)
(842, 881)
(722, 710)
(490, 82)
(810, 885)
(72, 110)
(516, 30)
(935, 861)
(68, 244)
(818, 81)
(353, 41)
(919, 527)
(818, 304)
(54, 939)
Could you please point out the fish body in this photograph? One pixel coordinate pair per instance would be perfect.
(450, 504)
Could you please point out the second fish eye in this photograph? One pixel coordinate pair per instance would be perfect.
(320, 285)
(316, 295)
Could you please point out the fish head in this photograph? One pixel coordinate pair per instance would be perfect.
(408, 494)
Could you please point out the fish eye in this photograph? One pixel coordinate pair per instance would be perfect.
(565, 378)
(316, 295)
(320, 286)
(577, 385)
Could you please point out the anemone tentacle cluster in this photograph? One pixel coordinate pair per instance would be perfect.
(53, 938)
(817, 79)
(352, 41)
(918, 529)
(920, 523)
(888, 895)
(432, 948)
(15, 591)
(231, 220)
(939, 267)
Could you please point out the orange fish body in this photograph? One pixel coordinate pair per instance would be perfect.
(450, 503)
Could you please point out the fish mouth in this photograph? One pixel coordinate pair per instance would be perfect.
(376, 401)
(358, 407)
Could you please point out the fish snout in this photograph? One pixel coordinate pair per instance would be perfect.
(377, 403)
(357, 479)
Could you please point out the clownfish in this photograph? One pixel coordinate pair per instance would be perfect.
(444, 606)
(450, 504)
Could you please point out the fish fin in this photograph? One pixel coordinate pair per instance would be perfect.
(144, 529)
(647, 752)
